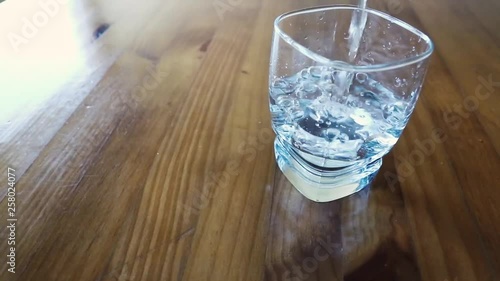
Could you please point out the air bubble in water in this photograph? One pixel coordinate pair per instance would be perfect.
(342, 137)
(361, 77)
(281, 87)
(393, 120)
(309, 91)
(363, 134)
(331, 134)
(313, 114)
(295, 113)
(315, 71)
(304, 74)
(398, 82)
(285, 101)
(361, 117)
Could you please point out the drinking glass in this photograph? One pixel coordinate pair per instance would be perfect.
(343, 84)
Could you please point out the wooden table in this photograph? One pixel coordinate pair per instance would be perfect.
(138, 134)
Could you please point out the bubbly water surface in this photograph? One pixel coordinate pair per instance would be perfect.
(313, 114)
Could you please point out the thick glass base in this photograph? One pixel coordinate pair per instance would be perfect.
(323, 184)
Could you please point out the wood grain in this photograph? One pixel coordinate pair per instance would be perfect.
(140, 136)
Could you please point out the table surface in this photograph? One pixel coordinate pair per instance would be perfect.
(138, 134)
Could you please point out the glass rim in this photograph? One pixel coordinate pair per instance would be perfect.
(343, 65)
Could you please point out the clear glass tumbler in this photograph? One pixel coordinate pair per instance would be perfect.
(341, 92)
